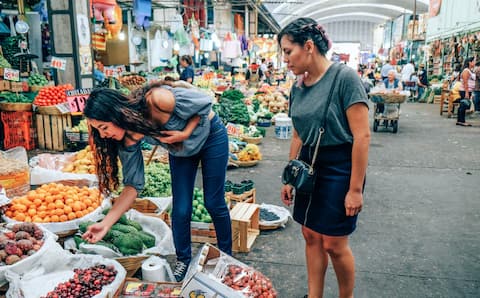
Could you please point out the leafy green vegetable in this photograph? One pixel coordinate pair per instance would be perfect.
(157, 180)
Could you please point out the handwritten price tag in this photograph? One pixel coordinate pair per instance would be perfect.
(77, 99)
(11, 74)
(233, 130)
(58, 63)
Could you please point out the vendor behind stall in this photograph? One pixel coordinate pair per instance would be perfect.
(253, 75)
(187, 73)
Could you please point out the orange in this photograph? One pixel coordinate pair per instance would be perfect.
(63, 217)
(54, 218)
(37, 219)
(37, 202)
(71, 216)
(90, 209)
(79, 214)
(59, 204)
(69, 201)
(49, 199)
(52, 206)
(67, 209)
(42, 214)
(32, 212)
(77, 206)
(83, 205)
(20, 217)
(9, 213)
(59, 212)
(42, 208)
(20, 207)
(46, 219)
(28, 219)
(88, 202)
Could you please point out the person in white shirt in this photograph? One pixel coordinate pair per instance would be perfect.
(407, 71)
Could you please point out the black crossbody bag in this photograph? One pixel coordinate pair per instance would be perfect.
(298, 173)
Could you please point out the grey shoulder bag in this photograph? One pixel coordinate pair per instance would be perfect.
(298, 173)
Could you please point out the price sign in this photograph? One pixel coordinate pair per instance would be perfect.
(58, 63)
(233, 130)
(110, 72)
(77, 98)
(11, 74)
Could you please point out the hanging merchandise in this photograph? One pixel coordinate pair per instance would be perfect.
(176, 23)
(195, 30)
(142, 9)
(238, 24)
(231, 47)
(103, 9)
(166, 47)
(206, 44)
(155, 46)
(116, 27)
(99, 42)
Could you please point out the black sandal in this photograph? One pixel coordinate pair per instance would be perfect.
(463, 124)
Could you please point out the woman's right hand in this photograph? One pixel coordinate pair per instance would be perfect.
(287, 194)
(95, 232)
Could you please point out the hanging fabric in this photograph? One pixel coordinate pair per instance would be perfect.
(99, 42)
(142, 9)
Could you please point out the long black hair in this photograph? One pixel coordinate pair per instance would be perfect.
(303, 29)
(129, 113)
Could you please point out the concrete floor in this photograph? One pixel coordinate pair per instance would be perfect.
(419, 232)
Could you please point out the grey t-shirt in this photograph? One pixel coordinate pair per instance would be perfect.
(307, 106)
(188, 102)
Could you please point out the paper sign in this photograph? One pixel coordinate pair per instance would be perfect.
(11, 74)
(64, 108)
(233, 130)
(77, 98)
(58, 63)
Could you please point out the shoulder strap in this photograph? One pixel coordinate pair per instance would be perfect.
(321, 130)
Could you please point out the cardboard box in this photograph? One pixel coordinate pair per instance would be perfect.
(208, 271)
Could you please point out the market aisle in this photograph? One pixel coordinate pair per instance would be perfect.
(418, 234)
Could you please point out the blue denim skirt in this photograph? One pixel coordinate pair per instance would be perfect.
(324, 210)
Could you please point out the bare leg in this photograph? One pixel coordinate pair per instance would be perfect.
(343, 262)
(317, 262)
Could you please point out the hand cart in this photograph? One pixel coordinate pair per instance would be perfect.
(382, 114)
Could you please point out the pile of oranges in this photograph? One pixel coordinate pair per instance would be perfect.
(54, 203)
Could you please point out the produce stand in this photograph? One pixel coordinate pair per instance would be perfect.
(385, 118)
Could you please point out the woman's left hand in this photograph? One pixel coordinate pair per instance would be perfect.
(173, 136)
(353, 203)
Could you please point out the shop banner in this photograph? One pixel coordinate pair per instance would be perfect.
(11, 74)
(77, 98)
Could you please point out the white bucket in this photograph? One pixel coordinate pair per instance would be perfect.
(283, 128)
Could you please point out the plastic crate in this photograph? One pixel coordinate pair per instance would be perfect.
(18, 130)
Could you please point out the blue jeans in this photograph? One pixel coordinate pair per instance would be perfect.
(214, 158)
(476, 100)
(421, 90)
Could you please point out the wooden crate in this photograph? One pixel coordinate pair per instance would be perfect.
(203, 232)
(50, 130)
(245, 226)
(437, 99)
(246, 197)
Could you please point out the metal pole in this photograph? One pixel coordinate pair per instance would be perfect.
(414, 19)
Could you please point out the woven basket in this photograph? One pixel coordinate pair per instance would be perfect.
(252, 140)
(15, 106)
(131, 264)
(35, 88)
(245, 164)
(388, 98)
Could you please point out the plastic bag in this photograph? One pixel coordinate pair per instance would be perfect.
(46, 168)
(281, 212)
(46, 256)
(39, 280)
(14, 172)
(155, 226)
(155, 47)
(66, 226)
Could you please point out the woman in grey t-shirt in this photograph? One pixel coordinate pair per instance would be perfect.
(179, 119)
(329, 214)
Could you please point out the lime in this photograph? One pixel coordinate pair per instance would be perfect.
(198, 212)
(194, 203)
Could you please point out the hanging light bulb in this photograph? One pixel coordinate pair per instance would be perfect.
(176, 46)
(121, 35)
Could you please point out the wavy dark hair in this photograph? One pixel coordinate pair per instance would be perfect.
(130, 113)
(303, 29)
(466, 64)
